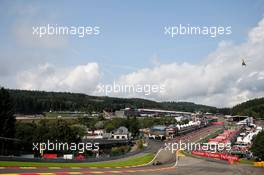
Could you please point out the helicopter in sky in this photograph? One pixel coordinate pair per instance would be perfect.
(243, 63)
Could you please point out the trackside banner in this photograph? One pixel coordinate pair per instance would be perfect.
(216, 155)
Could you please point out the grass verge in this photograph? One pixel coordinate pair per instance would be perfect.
(245, 161)
(129, 162)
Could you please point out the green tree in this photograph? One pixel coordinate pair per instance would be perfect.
(99, 125)
(140, 144)
(7, 118)
(133, 126)
(257, 146)
(61, 131)
(42, 132)
(109, 127)
(25, 132)
(79, 130)
(58, 130)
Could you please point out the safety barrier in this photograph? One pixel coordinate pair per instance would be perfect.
(259, 164)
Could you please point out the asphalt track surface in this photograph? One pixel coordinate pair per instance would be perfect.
(185, 165)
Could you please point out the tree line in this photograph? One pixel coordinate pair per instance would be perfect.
(37, 102)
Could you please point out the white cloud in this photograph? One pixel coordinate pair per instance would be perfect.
(256, 35)
(219, 80)
(82, 78)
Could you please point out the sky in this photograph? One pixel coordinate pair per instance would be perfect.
(132, 48)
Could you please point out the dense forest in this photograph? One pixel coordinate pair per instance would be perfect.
(254, 108)
(36, 102)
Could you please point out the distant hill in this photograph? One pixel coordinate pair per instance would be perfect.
(36, 102)
(253, 108)
(188, 106)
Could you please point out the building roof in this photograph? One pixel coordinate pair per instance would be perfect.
(163, 111)
(121, 130)
(158, 128)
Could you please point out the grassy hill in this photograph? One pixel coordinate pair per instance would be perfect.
(34, 102)
(253, 108)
